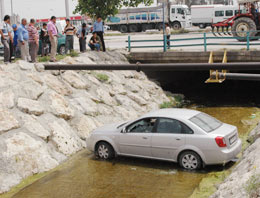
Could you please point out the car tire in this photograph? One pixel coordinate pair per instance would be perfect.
(105, 151)
(190, 160)
(62, 49)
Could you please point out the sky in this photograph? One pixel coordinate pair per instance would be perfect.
(39, 9)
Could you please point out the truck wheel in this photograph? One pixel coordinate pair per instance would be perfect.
(176, 26)
(133, 28)
(123, 29)
(241, 26)
(160, 26)
(202, 26)
(144, 27)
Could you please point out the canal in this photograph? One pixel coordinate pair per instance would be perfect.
(83, 176)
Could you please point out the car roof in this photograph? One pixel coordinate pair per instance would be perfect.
(174, 113)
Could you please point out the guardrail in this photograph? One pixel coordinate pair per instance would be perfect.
(204, 38)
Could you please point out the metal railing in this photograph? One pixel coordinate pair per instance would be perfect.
(162, 43)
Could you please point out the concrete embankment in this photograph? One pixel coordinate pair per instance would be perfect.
(244, 181)
(45, 116)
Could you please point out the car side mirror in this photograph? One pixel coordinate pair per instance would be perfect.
(123, 130)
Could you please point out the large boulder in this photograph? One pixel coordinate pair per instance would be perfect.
(65, 138)
(30, 106)
(21, 156)
(7, 99)
(7, 121)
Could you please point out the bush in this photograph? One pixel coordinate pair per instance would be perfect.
(102, 77)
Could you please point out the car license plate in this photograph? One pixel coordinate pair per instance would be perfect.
(233, 139)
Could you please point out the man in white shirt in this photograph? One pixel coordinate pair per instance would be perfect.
(168, 34)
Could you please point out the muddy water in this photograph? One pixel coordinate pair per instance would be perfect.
(85, 177)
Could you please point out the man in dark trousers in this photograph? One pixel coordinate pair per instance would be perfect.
(99, 29)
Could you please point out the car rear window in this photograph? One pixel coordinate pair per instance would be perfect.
(206, 122)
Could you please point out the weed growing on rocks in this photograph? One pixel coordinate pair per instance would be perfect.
(253, 186)
(102, 77)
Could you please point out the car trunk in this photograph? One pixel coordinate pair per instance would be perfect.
(229, 133)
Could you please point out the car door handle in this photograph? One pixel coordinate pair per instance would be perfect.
(145, 138)
(178, 139)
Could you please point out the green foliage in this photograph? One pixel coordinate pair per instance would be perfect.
(74, 54)
(166, 105)
(102, 77)
(105, 8)
(253, 186)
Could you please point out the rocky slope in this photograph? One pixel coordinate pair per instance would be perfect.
(46, 116)
(244, 181)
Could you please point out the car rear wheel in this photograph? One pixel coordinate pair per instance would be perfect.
(62, 49)
(190, 160)
(105, 151)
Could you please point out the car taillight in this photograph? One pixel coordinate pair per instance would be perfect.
(220, 141)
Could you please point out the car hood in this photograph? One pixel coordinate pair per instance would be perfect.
(109, 128)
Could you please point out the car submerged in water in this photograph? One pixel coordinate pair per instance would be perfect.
(189, 137)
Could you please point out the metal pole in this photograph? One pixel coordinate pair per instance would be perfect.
(2, 9)
(254, 66)
(129, 43)
(67, 9)
(240, 76)
(247, 41)
(205, 41)
(164, 47)
(12, 8)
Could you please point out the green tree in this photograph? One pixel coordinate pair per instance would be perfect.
(105, 8)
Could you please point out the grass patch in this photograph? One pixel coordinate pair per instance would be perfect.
(208, 184)
(180, 31)
(58, 57)
(102, 77)
(73, 54)
(253, 185)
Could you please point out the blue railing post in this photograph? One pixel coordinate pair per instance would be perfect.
(247, 41)
(129, 43)
(164, 43)
(205, 41)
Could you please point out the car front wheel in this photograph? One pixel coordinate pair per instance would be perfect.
(190, 160)
(105, 151)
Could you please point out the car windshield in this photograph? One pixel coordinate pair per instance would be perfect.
(206, 122)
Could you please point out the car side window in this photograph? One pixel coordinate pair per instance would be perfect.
(166, 125)
(142, 126)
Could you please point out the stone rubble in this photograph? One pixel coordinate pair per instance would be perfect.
(46, 116)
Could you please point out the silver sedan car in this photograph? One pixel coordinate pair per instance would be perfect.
(189, 137)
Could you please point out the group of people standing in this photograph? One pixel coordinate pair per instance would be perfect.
(23, 40)
(96, 42)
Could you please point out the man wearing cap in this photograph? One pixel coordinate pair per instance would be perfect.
(53, 34)
(15, 38)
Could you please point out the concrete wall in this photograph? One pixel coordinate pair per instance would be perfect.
(193, 57)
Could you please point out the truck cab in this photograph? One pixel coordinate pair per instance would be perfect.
(180, 16)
